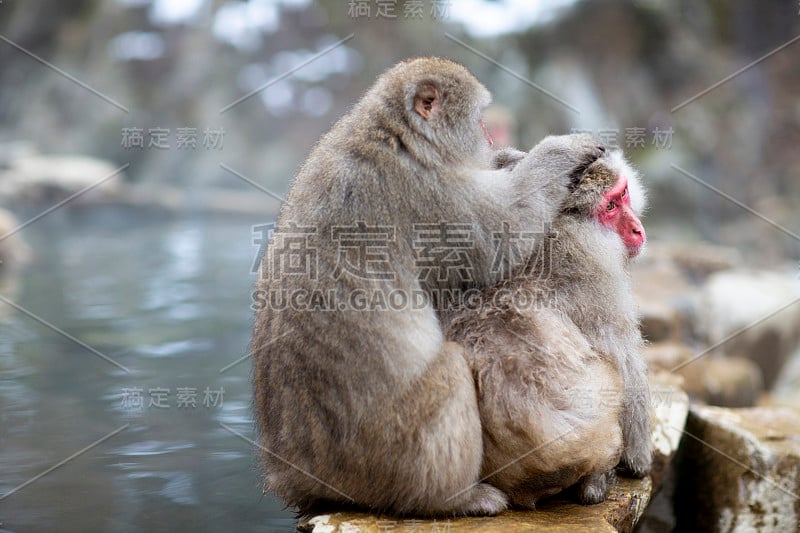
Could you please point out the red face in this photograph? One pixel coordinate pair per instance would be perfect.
(615, 213)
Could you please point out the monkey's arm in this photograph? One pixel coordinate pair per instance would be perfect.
(637, 457)
(524, 195)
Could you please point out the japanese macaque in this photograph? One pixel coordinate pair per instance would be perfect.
(555, 351)
(369, 406)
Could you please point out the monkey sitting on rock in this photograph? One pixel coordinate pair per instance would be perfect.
(562, 388)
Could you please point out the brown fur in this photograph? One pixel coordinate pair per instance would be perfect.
(370, 407)
(562, 387)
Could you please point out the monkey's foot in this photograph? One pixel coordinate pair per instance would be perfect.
(593, 488)
(526, 498)
(482, 500)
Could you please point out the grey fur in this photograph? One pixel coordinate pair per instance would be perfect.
(371, 407)
(562, 387)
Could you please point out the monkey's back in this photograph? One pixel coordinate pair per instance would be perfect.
(346, 394)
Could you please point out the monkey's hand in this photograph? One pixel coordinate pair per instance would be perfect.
(568, 156)
(546, 173)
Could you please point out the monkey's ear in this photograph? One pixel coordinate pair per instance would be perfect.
(426, 100)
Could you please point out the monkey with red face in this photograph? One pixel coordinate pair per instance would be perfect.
(562, 388)
(368, 406)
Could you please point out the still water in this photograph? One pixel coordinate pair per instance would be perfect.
(166, 300)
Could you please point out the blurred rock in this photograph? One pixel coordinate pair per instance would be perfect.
(699, 260)
(670, 408)
(626, 502)
(665, 299)
(723, 381)
(14, 253)
(10, 151)
(665, 282)
(789, 399)
(695, 260)
(741, 311)
(710, 379)
(787, 389)
(666, 355)
(37, 178)
(26, 176)
(659, 321)
(659, 517)
(738, 470)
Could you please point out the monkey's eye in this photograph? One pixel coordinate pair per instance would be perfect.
(610, 206)
(624, 193)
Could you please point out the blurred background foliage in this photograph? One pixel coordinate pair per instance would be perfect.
(621, 64)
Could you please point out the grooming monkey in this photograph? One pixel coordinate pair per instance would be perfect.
(562, 387)
(373, 407)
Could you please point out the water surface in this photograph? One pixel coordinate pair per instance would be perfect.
(167, 298)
